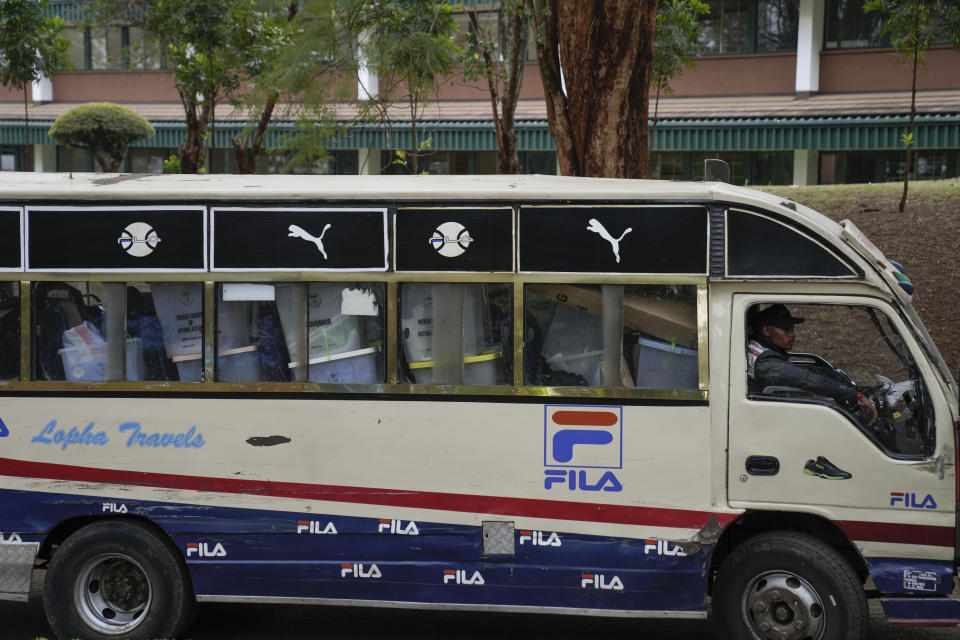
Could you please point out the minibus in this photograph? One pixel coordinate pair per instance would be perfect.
(493, 393)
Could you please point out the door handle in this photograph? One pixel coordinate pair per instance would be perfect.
(763, 466)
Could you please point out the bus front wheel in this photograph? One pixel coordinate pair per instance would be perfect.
(117, 579)
(789, 586)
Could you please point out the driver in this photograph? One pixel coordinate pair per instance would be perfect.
(768, 362)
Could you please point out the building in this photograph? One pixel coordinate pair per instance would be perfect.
(786, 91)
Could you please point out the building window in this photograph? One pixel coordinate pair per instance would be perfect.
(725, 28)
(749, 26)
(848, 26)
(667, 165)
(777, 24)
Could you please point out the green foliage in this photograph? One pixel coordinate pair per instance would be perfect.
(210, 46)
(30, 44)
(914, 25)
(106, 129)
(172, 164)
(410, 45)
(678, 31)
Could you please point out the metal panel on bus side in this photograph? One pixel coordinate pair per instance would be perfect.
(600, 523)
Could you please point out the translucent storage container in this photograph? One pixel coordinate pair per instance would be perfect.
(329, 332)
(88, 362)
(584, 364)
(484, 368)
(233, 365)
(353, 367)
(572, 332)
(662, 365)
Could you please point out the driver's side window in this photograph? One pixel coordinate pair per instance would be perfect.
(849, 357)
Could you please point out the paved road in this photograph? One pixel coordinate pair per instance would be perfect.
(288, 622)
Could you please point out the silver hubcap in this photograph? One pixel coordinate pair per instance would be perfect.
(779, 605)
(112, 594)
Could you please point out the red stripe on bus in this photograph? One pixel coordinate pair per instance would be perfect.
(465, 503)
(586, 418)
(897, 533)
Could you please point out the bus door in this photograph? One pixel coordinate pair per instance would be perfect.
(801, 439)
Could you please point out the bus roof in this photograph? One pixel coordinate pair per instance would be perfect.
(58, 186)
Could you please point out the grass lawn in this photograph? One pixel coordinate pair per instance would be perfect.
(924, 239)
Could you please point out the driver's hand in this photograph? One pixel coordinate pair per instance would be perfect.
(868, 408)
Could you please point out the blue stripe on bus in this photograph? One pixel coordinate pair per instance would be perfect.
(259, 553)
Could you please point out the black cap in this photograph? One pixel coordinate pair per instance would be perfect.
(776, 315)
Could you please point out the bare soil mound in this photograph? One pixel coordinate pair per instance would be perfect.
(925, 239)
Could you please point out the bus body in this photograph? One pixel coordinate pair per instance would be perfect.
(494, 393)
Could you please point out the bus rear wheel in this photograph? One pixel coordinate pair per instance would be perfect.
(117, 579)
(789, 586)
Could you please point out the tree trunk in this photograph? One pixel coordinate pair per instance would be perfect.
(26, 156)
(191, 152)
(548, 57)
(512, 30)
(913, 114)
(247, 159)
(606, 48)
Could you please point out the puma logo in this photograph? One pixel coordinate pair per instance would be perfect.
(596, 227)
(297, 232)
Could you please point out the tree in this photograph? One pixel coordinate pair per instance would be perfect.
(409, 44)
(106, 129)
(498, 58)
(206, 46)
(913, 26)
(678, 31)
(262, 96)
(598, 104)
(30, 48)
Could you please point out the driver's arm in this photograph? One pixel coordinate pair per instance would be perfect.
(774, 371)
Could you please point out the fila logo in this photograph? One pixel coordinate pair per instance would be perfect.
(599, 581)
(459, 576)
(662, 548)
(203, 550)
(113, 507)
(313, 526)
(579, 480)
(13, 538)
(536, 538)
(397, 527)
(358, 571)
(909, 500)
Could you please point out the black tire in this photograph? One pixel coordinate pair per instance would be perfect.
(117, 579)
(789, 586)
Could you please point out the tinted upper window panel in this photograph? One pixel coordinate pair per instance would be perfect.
(127, 238)
(454, 239)
(614, 239)
(299, 239)
(759, 246)
(11, 254)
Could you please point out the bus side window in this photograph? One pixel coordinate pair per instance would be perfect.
(453, 333)
(328, 332)
(100, 331)
(9, 331)
(642, 336)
